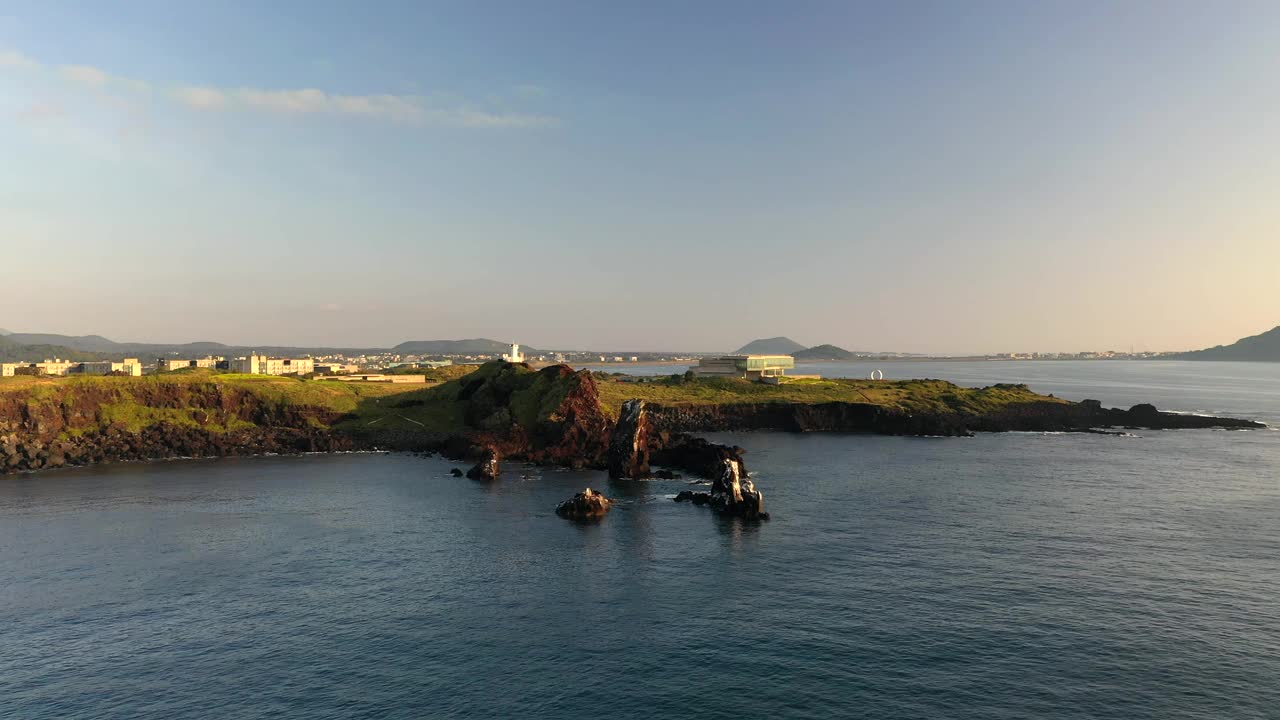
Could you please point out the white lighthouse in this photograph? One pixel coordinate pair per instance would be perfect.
(515, 355)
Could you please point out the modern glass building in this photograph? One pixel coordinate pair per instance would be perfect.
(752, 367)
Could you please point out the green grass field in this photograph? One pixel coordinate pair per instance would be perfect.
(909, 395)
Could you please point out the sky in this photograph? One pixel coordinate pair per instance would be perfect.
(936, 177)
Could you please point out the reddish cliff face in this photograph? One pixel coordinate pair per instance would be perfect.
(577, 432)
(552, 416)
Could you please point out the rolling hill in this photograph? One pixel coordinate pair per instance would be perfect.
(83, 343)
(823, 352)
(12, 351)
(770, 346)
(1264, 347)
(88, 347)
(474, 346)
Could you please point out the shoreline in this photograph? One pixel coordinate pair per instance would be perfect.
(555, 416)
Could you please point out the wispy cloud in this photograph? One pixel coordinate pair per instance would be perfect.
(202, 98)
(410, 110)
(86, 74)
(404, 109)
(14, 59)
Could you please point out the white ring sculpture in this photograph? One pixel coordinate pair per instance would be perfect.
(877, 374)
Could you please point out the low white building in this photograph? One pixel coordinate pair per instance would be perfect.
(257, 364)
(9, 369)
(129, 366)
(333, 368)
(56, 366)
(171, 364)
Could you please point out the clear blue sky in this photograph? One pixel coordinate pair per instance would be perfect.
(916, 176)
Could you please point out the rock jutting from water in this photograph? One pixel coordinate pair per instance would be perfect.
(732, 494)
(487, 469)
(586, 505)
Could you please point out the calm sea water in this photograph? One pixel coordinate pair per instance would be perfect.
(1003, 576)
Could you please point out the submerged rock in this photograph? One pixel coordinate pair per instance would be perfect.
(585, 505)
(697, 498)
(455, 472)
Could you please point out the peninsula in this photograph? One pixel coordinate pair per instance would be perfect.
(555, 416)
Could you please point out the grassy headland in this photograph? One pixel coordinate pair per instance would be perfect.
(553, 415)
(212, 400)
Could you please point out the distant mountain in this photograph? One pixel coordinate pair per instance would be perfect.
(770, 346)
(823, 352)
(474, 346)
(11, 351)
(80, 346)
(84, 343)
(4, 332)
(1257, 348)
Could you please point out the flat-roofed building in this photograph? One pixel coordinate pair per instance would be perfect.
(129, 366)
(171, 364)
(56, 366)
(377, 377)
(9, 369)
(332, 368)
(257, 364)
(751, 367)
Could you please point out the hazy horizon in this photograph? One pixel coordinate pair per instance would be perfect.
(1000, 177)
(267, 342)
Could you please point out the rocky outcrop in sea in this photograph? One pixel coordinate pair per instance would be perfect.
(586, 505)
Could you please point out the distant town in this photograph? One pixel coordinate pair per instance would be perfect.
(340, 364)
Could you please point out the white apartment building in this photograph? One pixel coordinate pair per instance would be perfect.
(257, 364)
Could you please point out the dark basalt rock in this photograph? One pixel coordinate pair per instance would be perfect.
(734, 495)
(697, 498)
(455, 472)
(586, 505)
(487, 469)
(697, 455)
(628, 455)
(1041, 416)
(114, 444)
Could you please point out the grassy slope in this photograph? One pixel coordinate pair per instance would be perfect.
(909, 395)
(437, 407)
(337, 397)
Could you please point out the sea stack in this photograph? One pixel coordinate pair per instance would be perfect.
(586, 505)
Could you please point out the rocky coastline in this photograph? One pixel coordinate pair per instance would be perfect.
(506, 411)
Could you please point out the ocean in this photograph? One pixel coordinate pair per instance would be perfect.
(1001, 576)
